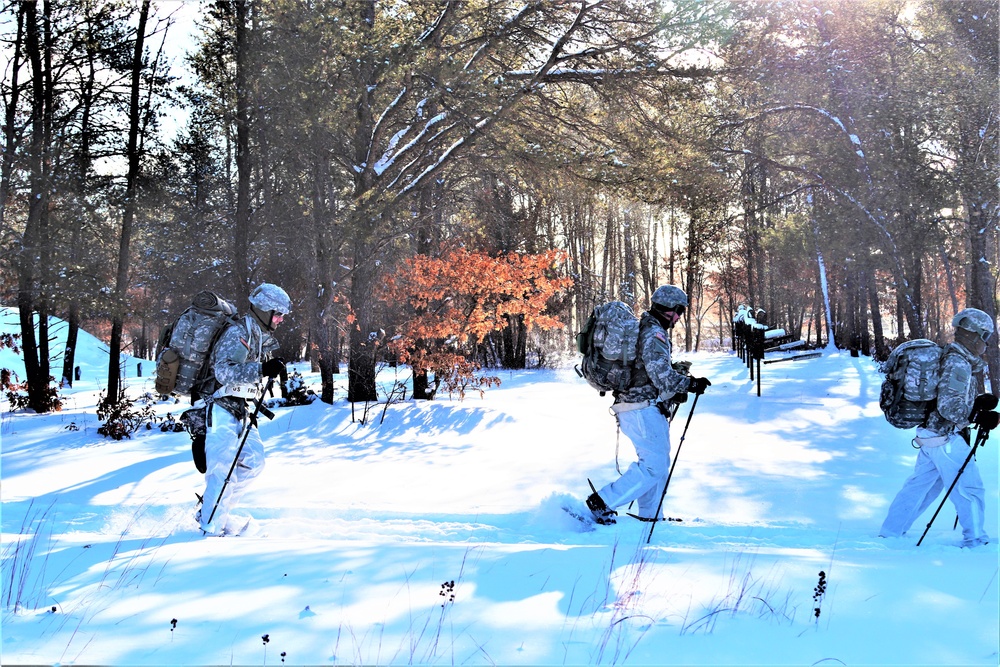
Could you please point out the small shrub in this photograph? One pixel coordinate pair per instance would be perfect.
(169, 424)
(462, 376)
(50, 402)
(10, 340)
(122, 418)
(296, 392)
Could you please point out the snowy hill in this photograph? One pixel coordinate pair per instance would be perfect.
(434, 535)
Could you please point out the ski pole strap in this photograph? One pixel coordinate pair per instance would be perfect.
(262, 409)
(668, 409)
(259, 407)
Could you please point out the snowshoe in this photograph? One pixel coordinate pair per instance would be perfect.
(603, 514)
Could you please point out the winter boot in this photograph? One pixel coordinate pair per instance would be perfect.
(603, 514)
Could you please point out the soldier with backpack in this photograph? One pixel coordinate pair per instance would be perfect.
(641, 409)
(942, 436)
(234, 453)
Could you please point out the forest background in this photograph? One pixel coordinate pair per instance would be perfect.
(457, 184)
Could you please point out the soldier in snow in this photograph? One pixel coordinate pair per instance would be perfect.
(943, 447)
(240, 361)
(641, 411)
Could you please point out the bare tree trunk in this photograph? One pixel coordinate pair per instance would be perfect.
(427, 212)
(69, 353)
(83, 168)
(128, 215)
(323, 331)
(853, 305)
(363, 337)
(34, 239)
(10, 116)
(241, 228)
(881, 350)
(982, 284)
(628, 261)
(361, 361)
(753, 214)
(977, 146)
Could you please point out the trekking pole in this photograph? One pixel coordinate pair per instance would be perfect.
(656, 517)
(989, 422)
(251, 422)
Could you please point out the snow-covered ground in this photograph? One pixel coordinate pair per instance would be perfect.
(432, 534)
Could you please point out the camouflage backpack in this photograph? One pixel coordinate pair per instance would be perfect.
(909, 391)
(186, 345)
(608, 343)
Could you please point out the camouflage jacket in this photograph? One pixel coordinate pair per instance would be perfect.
(654, 378)
(956, 390)
(235, 363)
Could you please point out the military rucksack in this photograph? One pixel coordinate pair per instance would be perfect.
(186, 345)
(609, 345)
(909, 391)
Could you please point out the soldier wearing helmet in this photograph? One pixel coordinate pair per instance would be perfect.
(240, 361)
(642, 409)
(943, 439)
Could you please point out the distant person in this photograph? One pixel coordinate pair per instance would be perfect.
(240, 361)
(641, 411)
(943, 448)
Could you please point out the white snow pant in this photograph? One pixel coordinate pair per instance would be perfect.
(935, 470)
(644, 479)
(222, 440)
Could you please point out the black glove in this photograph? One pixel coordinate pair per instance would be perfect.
(699, 385)
(982, 405)
(272, 368)
(987, 420)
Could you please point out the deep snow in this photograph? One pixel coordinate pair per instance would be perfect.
(435, 536)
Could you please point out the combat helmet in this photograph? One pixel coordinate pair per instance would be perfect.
(669, 297)
(267, 299)
(976, 321)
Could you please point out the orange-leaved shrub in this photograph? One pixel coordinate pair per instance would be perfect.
(450, 302)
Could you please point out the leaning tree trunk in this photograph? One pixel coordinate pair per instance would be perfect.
(824, 288)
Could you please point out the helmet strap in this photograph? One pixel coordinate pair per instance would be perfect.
(265, 318)
(661, 317)
(970, 340)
